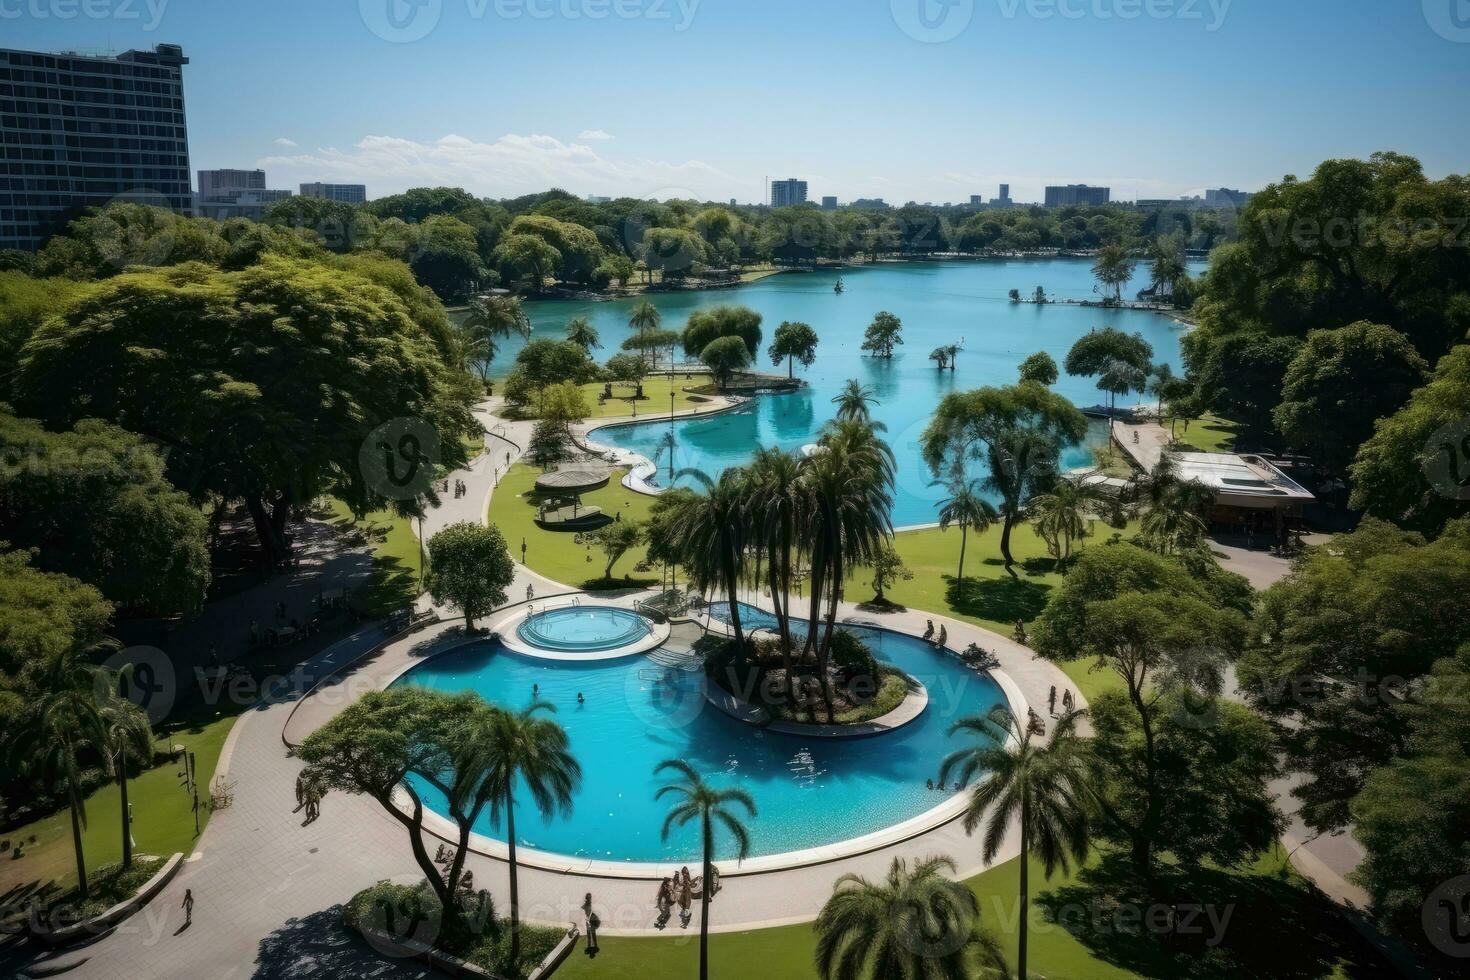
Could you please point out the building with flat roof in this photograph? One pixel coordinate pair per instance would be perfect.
(829, 202)
(224, 194)
(1058, 196)
(226, 180)
(81, 131)
(341, 193)
(1242, 483)
(787, 192)
(1224, 197)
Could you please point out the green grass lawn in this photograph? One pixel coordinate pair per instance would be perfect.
(396, 557)
(556, 554)
(1209, 434)
(656, 397)
(163, 817)
(1289, 932)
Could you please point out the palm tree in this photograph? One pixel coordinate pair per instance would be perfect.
(852, 403)
(1171, 508)
(912, 924)
(1045, 785)
(1113, 269)
(712, 531)
(965, 508)
(851, 485)
(128, 733)
(64, 722)
(697, 799)
(493, 318)
(520, 748)
(1060, 515)
(581, 332)
(779, 503)
(645, 318)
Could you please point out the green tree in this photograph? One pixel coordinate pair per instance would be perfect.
(695, 799)
(724, 358)
(1060, 515)
(469, 569)
(627, 369)
(1118, 360)
(1040, 368)
(917, 923)
(853, 404)
(522, 256)
(1044, 788)
(25, 304)
(1239, 377)
(1173, 510)
(1340, 383)
(883, 334)
(127, 737)
(1018, 430)
(1113, 269)
(645, 321)
(965, 508)
(524, 751)
(550, 444)
(672, 251)
(707, 326)
(578, 251)
(42, 616)
(888, 568)
(712, 529)
(581, 332)
(1389, 473)
(940, 356)
(493, 319)
(779, 505)
(616, 540)
(563, 403)
(794, 341)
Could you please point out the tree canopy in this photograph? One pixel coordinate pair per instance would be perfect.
(706, 326)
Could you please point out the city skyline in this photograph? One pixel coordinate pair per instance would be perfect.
(438, 110)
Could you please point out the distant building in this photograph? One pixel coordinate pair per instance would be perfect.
(977, 199)
(829, 203)
(1224, 197)
(1170, 203)
(598, 199)
(212, 182)
(79, 132)
(1004, 201)
(225, 194)
(787, 192)
(341, 193)
(869, 203)
(1061, 196)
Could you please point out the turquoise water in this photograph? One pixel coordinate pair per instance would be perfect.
(809, 792)
(940, 303)
(583, 628)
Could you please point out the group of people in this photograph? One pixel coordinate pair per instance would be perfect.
(308, 798)
(1051, 701)
(942, 787)
(939, 640)
(460, 489)
(678, 890)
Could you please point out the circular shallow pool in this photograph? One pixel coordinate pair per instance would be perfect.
(583, 629)
(636, 712)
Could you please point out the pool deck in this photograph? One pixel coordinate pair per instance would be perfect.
(756, 716)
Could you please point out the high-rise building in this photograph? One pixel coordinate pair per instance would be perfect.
(787, 192)
(226, 181)
(1057, 197)
(1004, 201)
(341, 193)
(225, 194)
(1224, 197)
(80, 131)
(977, 199)
(829, 202)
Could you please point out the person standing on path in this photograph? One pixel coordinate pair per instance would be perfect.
(188, 907)
(592, 923)
(1051, 700)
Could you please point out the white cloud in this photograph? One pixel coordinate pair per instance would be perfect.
(510, 166)
(594, 134)
(289, 144)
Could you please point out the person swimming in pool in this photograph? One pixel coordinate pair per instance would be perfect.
(580, 698)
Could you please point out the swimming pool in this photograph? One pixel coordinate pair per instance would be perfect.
(581, 629)
(810, 792)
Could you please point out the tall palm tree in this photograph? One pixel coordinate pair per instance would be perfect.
(581, 332)
(1060, 515)
(918, 924)
(779, 502)
(1113, 269)
(1018, 458)
(1044, 784)
(965, 508)
(492, 319)
(853, 401)
(645, 319)
(1172, 508)
(521, 749)
(63, 723)
(128, 734)
(851, 486)
(697, 800)
(713, 535)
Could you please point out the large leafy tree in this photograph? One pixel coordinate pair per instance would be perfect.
(1240, 376)
(707, 326)
(1340, 383)
(43, 615)
(919, 923)
(883, 334)
(469, 569)
(1341, 642)
(96, 505)
(526, 257)
(578, 251)
(696, 800)
(794, 341)
(1043, 787)
(1040, 368)
(1427, 436)
(1119, 361)
(261, 385)
(725, 357)
(25, 304)
(1019, 432)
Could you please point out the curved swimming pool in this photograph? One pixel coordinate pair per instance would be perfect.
(810, 792)
(583, 629)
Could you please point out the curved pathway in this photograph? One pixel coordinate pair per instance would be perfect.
(266, 885)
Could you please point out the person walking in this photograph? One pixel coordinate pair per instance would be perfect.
(188, 906)
(1067, 700)
(686, 897)
(592, 923)
(1051, 700)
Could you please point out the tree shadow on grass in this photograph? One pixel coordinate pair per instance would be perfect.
(1229, 924)
(1000, 600)
(320, 947)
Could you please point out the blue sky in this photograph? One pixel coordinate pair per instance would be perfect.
(902, 99)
